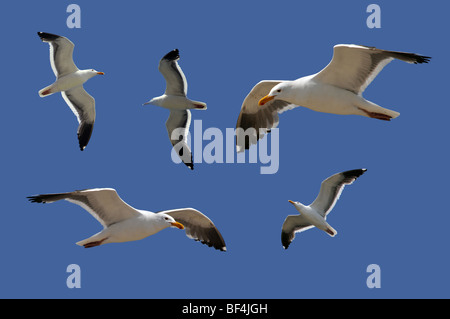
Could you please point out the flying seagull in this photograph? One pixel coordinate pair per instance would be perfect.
(316, 213)
(174, 99)
(69, 81)
(122, 223)
(336, 89)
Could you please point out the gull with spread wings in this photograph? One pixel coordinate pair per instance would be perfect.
(175, 99)
(122, 223)
(315, 215)
(336, 89)
(69, 81)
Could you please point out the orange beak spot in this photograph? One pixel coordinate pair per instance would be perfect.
(100, 73)
(291, 202)
(177, 225)
(265, 99)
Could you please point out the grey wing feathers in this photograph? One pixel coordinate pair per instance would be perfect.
(255, 121)
(354, 67)
(293, 224)
(61, 53)
(331, 189)
(178, 127)
(176, 83)
(82, 105)
(404, 56)
(105, 205)
(198, 227)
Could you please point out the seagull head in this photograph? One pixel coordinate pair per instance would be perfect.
(152, 102)
(91, 73)
(277, 92)
(294, 203)
(169, 221)
(158, 101)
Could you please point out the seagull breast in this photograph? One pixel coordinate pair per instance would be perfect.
(71, 80)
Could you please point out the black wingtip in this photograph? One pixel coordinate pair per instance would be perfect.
(285, 240)
(220, 248)
(422, 59)
(189, 164)
(172, 55)
(354, 173)
(84, 134)
(210, 244)
(47, 36)
(35, 199)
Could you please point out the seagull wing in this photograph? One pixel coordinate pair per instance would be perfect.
(83, 106)
(293, 224)
(198, 227)
(178, 127)
(254, 117)
(175, 80)
(103, 203)
(61, 51)
(331, 190)
(354, 67)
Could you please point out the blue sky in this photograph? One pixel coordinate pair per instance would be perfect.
(395, 215)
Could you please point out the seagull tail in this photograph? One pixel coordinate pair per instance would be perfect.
(46, 91)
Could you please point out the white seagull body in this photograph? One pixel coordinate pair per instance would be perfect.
(69, 81)
(315, 215)
(124, 223)
(174, 99)
(336, 89)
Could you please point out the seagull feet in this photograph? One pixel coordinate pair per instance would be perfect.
(378, 116)
(94, 243)
(46, 92)
(200, 106)
(330, 232)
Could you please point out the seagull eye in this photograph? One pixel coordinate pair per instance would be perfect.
(279, 90)
(166, 218)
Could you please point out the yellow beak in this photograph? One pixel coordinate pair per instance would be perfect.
(265, 99)
(100, 73)
(177, 225)
(291, 202)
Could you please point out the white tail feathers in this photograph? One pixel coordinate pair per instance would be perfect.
(46, 91)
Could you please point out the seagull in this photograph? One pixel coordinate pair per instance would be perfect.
(316, 213)
(174, 99)
(336, 89)
(69, 81)
(122, 223)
